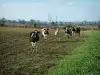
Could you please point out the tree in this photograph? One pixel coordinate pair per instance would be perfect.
(53, 23)
(35, 25)
(19, 21)
(2, 21)
(32, 22)
(61, 23)
(38, 23)
(23, 22)
(9, 21)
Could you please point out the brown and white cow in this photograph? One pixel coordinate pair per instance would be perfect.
(45, 33)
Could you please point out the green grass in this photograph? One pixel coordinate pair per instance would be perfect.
(83, 60)
(16, 56)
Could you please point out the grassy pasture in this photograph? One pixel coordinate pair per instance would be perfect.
(16, 57)
(83, 60)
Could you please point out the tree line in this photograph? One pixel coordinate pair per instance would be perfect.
(32, 22)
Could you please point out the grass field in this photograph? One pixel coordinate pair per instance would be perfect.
(83, 60)
(16, 57)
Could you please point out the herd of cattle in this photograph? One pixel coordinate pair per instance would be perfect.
(34, 35)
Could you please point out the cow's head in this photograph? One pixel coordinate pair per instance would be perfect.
(46, 31)
(36, 32)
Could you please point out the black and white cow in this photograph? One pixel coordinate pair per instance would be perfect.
(68, 32)
(34, 38)
(45, 33)
(78, 30)
(75, 30)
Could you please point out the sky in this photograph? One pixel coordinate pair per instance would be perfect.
(51, 10)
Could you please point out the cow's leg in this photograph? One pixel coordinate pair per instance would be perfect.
(72, 33)
(33, 46)
(59, 39)
(67, 35)
(79, 33)
(45, 37)
(36, 46)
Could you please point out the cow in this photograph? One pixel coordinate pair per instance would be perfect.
(68, 32)
(45, 33)
(34, 38)
(73, 30)
(57, 33)
(76, 30)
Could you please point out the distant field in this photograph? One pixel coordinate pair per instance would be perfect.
(16, 56)
(83, 60)
(85, 27)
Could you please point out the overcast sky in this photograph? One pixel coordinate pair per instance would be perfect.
(65, 10)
